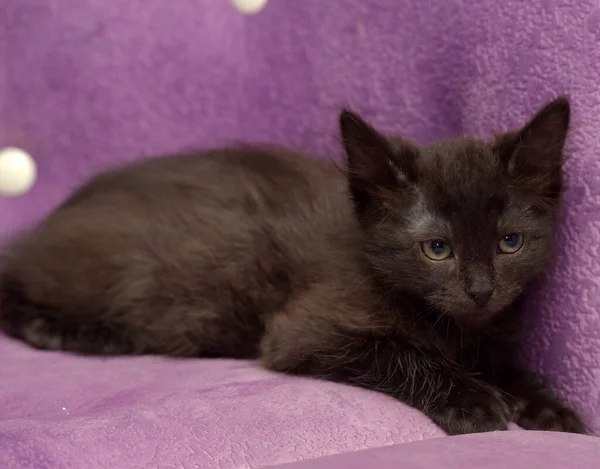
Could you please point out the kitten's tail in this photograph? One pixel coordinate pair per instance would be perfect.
(45, 327)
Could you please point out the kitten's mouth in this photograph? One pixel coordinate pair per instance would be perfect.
(477, 316)
(467, 317)
(474, 320)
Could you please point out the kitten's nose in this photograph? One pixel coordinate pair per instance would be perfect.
(481, 295)
(479, 283)
(479, 286)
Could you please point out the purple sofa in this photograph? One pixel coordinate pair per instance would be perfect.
(88, 84)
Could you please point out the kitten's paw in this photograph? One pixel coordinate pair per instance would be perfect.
(39, 334)
(542, 411)
(473, 407)
(35, 331)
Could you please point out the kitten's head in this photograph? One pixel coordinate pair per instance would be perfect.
(463, 224)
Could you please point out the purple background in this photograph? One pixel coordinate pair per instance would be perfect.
(90, 84)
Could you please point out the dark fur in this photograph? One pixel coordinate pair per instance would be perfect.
(319, 271)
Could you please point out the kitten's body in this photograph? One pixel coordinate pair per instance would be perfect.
(259, 252)
(210, 247)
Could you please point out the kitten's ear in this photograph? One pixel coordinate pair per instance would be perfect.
(377, 166)
(534, 155)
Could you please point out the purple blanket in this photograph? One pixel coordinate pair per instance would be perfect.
(516, 451)
(86, 85)
(57, 411)
(151, 412)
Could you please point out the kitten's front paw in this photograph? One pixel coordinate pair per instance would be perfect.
(540, 410)
(473, 407)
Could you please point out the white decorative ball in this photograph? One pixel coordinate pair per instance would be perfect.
(17, 172)
(249, 7)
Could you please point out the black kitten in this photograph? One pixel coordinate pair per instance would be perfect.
(400, 274)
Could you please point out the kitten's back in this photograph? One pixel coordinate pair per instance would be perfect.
(176, 247)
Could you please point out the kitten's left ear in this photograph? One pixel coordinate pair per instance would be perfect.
(534, 155)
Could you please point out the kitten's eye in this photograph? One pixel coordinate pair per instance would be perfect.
(511, 243)
(436, 249)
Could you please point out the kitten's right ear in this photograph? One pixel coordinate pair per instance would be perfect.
(377, 166)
